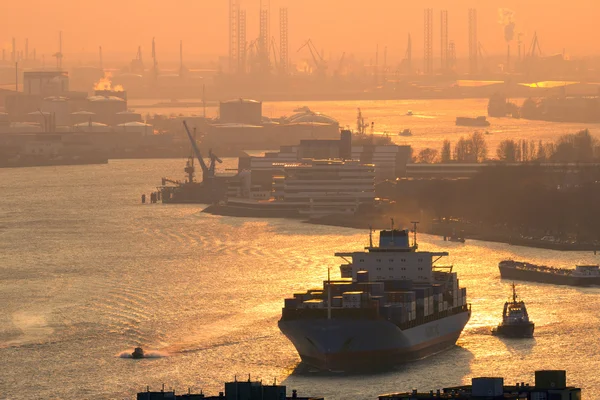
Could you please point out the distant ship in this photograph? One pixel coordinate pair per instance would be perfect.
(515, 319)
(468, 121)
(392, 306)
(405, 132)
(582, 275)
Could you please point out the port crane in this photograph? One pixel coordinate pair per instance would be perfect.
(208, 171)
(320, 63)
(535, 49)
(340, 70)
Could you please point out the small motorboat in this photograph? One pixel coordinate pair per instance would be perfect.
(405, 132)
(409, 113)
(455, 236)
(515, 319)
(138, 353)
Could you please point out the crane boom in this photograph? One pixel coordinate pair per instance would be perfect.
(205, 170)
(319, 61)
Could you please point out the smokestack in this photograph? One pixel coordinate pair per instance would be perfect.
(13, 55)
(27, 48)
(508, 58)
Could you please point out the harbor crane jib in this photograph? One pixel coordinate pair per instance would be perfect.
(320, 63)
(207, 171)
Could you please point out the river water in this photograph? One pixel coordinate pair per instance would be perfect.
(87, 273)
(432, 121)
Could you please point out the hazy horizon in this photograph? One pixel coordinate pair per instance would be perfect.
(335, 27)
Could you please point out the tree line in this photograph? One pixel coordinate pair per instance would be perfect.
(511, 200)
(580, 147)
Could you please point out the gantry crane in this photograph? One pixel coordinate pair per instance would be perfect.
(320, 63)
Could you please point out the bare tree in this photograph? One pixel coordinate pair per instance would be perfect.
(462, 150)
(427, 156)
(478, 147)
(507, 150)
(446, 152)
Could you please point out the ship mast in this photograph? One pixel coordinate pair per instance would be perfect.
(514, 293)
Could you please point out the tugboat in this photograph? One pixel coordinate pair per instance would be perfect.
(457, 239)
(138, 353)
(515, 320)
(455, 236)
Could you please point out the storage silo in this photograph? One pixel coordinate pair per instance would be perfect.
(79, 117)
(59, 108)
(41, 118)
(106, 108)
(240, 111)
(4, 119)
(124, 117)
(91, 127)
(136, 127)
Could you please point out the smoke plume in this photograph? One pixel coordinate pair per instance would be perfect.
(507, 19)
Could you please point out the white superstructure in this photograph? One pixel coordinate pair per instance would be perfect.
(393, 259)
(322, 187)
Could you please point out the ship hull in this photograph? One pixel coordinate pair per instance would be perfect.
(507, 272)
(515, 330)
(349, 345)
(195, 193)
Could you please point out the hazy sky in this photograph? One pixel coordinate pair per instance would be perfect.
(334, 25)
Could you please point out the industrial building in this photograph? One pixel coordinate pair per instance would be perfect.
(236, 390)
(549, 385)
(241, 126)
(389, 161)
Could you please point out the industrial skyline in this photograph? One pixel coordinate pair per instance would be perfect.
(355, 28)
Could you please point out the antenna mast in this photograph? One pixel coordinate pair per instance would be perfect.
(329, 293)
(415, 245)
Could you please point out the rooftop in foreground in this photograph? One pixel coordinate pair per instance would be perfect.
(551, 384)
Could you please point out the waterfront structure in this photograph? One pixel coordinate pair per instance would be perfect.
(389, 161)
(237, 390)
(324, 187)
(45, 83)
(313, 188)
(550, 384)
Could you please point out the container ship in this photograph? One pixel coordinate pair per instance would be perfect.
(391, 306)
(582, 275)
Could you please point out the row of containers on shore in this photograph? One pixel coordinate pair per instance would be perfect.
(397, 300)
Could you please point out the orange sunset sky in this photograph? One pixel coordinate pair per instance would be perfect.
(356, 27)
